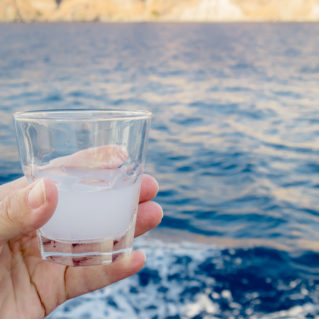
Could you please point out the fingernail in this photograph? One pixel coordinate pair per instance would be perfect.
(37, 196)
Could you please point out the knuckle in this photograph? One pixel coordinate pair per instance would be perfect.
(6, 210)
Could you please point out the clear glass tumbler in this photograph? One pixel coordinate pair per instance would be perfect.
(95, 157)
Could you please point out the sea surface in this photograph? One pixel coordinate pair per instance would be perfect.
(234, 145)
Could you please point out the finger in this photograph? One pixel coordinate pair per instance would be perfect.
(80, 280)
(8, 188)
(108, 156)
(27, 209)
(149, 188)
(149, 216)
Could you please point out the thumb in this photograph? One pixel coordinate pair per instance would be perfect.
(27, 209)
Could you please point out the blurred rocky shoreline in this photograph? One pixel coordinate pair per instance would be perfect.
(157, 10)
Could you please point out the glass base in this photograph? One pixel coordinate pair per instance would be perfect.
(84, 253)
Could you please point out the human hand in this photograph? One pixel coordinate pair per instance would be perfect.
(31, 287)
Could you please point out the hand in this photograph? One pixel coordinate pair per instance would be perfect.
(31, 288)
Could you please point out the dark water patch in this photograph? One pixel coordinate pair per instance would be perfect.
(167, 193)
(309, 211)
(308, 168)
(183, 201)
(293, 149)
(185, 169)
(216, 106)
(53, 98)
(310, 69)
(178, 158)
(161, 127)
(185, 224)
(309, 260)
(295, 184)
(291, 94)
(237, 89)
(9, 178)
(188, 121)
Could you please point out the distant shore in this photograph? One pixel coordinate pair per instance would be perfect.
(156, 10)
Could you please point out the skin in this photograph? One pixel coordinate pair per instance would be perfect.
(32, 288)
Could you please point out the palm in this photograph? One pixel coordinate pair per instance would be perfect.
(32, 288)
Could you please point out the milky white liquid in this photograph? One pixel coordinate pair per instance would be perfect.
(94, 205)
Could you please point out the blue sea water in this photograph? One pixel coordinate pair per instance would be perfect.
(234, 145)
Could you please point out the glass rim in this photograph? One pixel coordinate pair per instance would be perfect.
(92, 114)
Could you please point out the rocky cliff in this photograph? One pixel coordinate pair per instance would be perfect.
(159, 10)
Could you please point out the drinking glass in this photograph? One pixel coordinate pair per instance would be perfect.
(95, 157)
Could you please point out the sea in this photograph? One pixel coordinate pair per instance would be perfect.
(234, 145)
